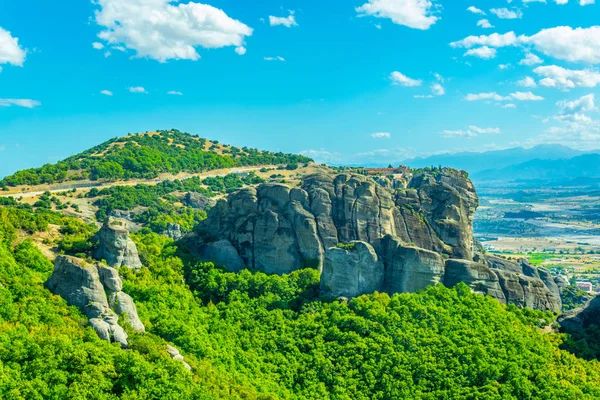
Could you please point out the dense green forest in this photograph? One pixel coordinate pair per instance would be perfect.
(146, 156)
(257, 336)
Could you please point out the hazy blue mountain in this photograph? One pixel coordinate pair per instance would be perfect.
(473, 162)
(582, 169)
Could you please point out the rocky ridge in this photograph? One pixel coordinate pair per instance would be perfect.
(401, 240)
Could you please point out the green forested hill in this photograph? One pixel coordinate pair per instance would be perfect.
(255, 336)
(147, 155)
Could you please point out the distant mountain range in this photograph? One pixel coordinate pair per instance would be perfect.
(473, 162)
(547, 163)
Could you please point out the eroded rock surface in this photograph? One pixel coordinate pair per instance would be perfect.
(97, 291)
(115, 246)
(420, 233)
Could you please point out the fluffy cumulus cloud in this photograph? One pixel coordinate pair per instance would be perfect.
(565, 79)
(493, 40)
(10, 51)
(566, 43)
(138, 89)
(288, 21)
(583, 104)
(505, 13)
(484, 23)
(399, 78)
(164, 30)
(484, 52)
(27, 103)
(527, 82)
(475, 10)
(521, 96)
(563, 42)
(174, 93)
(381, 135)
(106, 92)
(531, 59)
(417, 14)
(241, 50)
(438, 89)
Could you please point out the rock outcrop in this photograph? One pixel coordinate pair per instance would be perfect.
(176, 355)
(582, 317)
(421, 234)
(174, 231)
(352, 272)
(198, 201)
(97, 291)
(115, 246)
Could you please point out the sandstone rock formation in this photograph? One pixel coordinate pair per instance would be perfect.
(404, 239)
(97, 291)
(198, 201)
(115, 246)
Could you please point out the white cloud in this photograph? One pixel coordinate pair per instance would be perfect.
(484, 131)
(162, 30)
(505, 13)
(27, 103)
(475, 10)
(381, 135)
(504, 66)
(562, 78)
(526, 96)
(566, 43)
(509, 105)
(138, 89)
(400, 79)
(278, 58)
(417, 14)
(484, 52)
(457, 133)
(484, 23)
(486, 96)
(174, 93)
(521, 96)
(107, 54)
(10, 51)
(423, 96)
(106, 92)
(493, 40)
(527, 82)
(584, 103)
(438, 89)
(241, 50)
(473, 131)
(97, 46)
(288, 21)
(438, 77)
(531, 59)
(586, 2)
(533, 1)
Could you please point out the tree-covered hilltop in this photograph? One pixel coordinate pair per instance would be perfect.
(146, 156)
(256, 336)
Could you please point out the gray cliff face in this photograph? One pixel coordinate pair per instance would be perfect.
(97, 291)
(352, 272)
(413, 231)
(115, 246)
(582, 317)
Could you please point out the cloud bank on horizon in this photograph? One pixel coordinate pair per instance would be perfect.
(518, 73)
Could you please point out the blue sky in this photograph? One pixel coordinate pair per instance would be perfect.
(356, 81)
